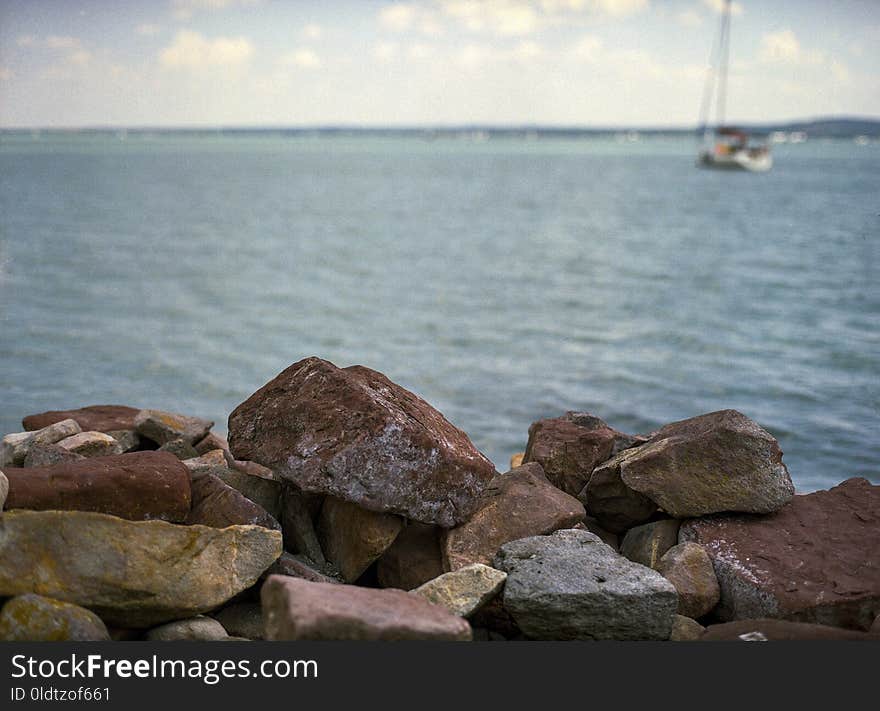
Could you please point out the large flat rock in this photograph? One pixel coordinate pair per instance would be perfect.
(815, 560)
(130, 573)
(353, 434)
(98, 418)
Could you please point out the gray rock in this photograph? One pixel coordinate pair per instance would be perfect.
(14, 447)
(44, 455)
(684, 629)
(570, 585)
(243, 619)
(616, 506)
(464, 591)
(162, 427)
(202, 629)
(129, 440)
(688, 567)
(180, 448)
(647, 543)
(34, 618)
(91, 444)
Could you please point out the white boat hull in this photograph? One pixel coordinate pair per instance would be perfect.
(737, 160)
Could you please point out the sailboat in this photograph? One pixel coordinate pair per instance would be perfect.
(726, 147)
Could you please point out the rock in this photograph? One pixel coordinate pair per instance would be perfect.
(353, 434)
(592, 525)
(298, 566)
(265, 492)
(297, 522)
(43, 455)
(202, 629)
(162, 427)
(211, 442)
(570, 585)
(515, 505)
(136, 486)
(722, 461)
(615, 506)
(647, 543)
(34, 618)
(207, 463)
(129, 440)
(132, 574)
(688, 567)
(298, 609)
(496, 619)
(815, 560)
(875, 627)
(570, 447)
(252, 468)
(684, 629)
(414, 557)
(180, 448)
(465, 590)
(94, 418)
(244, 619)
(4, 489)
(516, 460)
(769, 630)
(14, 447)
(352, 538)
(219, 505)
(91, 444)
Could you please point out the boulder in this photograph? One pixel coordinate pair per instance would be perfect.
(770, 630)
(91, 444)
(131, 573)
(44, 455)
(207, 463)
(136, 486)
(647, 543)
(494, 618)
(194, 629)
(260, 490)
(615, 506)
(243, 619)
(298, 566)
(353, 434)
(515, 505)
(296, 609)
(684, 629)
(211, 442)
(722, 461)
(688, 567)
(516, 460)
(592, 525)
(412, 559)
(815, 560)
(94, 418)
(180, 448)
(570, 585)
(219, 505)
(34, 618)
(4, 489)
(570, 447)
(352, 538)
(14, 447)
(162, 427)
(298, 512)
(463, 591)
(129, 440)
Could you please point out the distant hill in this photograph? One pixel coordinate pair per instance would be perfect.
(827, 127)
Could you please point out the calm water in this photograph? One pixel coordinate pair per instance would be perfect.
(502, 281)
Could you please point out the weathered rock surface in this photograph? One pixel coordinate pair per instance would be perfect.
(592, 525)
(722, 461)
(132, 574)
(515, 505)
(180, 448)
(94, 418)
(414, 557)
(352, 538)
(298, 609)
(14, 447)
(298, 566)
(688, 567)
(684, 629)
(647, 543)
(616, 506)
(207, 463)
(129, 440)
(44, 455)
(570, 447)
(200, 628)
(34, 618)
(136, 486)
(815, 560)
(219, 505)
(210, 442)
(260, 490)
(243, 619)
(162, 427)
(353, 434)
(516, 460)
(91, 444)
(4, 489)
(464, 591)
(770, 630)
(298, 513)
(570, 585)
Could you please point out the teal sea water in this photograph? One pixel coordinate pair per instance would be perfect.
(503, 281)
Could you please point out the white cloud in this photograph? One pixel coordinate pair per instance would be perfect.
(185, 9)
(80, 58)
(718, 6)
(784, 47)
(312, 31)
(398, 17)
(62, 42)
(588, 48)
(25, 40)
(619, 8)
(192, 50)
(502, 17)
(420, 52)
(148, 30)
(689, 18)
(302, 57)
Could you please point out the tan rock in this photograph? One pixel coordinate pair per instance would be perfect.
(688, 567)
(14, 447)
(684, 629)
(200, 628)
(34, 618)
(91, 444)
(517, 459)
(647, 543)
(162, 427)
(464, 591)
(414, 557)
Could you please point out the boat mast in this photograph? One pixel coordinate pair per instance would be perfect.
(724, 54)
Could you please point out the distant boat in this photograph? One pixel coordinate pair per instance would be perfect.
(726, 147)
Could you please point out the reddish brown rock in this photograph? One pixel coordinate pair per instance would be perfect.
(298, 514)
(298, 609)
(570, 447)
(298, 566)
(136, 486)
(96, 418)
(615, 506)
(770, 630)
(218, 505)
(353, 434)
(413, 559)
(211, 442)
(815, 560)
(518, 504)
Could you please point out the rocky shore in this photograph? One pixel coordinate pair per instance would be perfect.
(343, 506)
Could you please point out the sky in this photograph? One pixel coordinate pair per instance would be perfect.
(592, 63)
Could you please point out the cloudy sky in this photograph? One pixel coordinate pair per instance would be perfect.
(366, 62)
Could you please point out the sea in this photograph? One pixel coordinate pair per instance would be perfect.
(502, 278)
